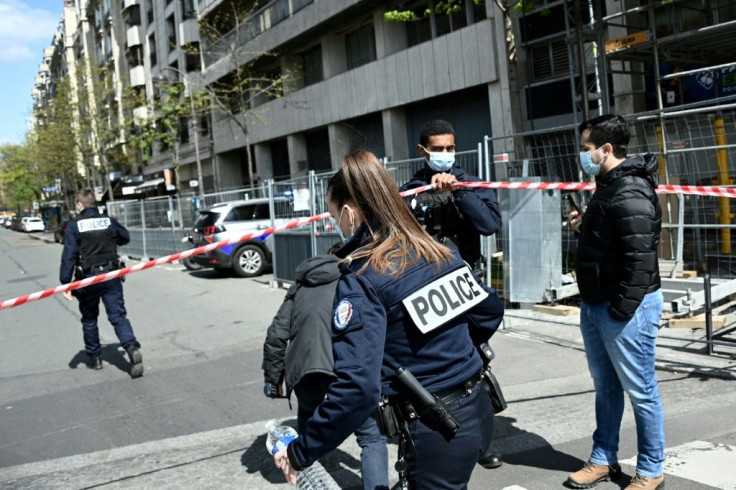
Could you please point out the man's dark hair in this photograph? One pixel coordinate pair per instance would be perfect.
(433, 128)
(609, 128)
(87, 197)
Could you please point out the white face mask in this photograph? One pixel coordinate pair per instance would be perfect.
(440, 161)
(339, 230)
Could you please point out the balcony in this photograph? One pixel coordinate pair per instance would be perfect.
(134, 36)
(189, 31)
(263, 19)
(137, 76)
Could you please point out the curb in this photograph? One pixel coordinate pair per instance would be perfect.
(41, 238)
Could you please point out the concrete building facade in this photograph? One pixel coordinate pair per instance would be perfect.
(352, 79)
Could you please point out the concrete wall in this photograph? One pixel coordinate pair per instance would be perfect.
(447, 64)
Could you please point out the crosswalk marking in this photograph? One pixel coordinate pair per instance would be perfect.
(701, 461)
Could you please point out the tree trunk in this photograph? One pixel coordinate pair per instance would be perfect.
(249, 160)
(177, 181)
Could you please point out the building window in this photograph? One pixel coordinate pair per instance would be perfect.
(133, 15)
(312, 66)
(183, 130)
(188, 9)
(432, 21)
(134, 56)
(152, 49)
(149, 11)
(171, 32)
(360, 46)
(549, 60)
(191, 57)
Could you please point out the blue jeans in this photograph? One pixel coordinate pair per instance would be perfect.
(111, 293)
(310, 391)
(621, 357)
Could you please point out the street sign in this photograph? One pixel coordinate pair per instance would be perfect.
(50, 189)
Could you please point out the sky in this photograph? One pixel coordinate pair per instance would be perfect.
(26, 28)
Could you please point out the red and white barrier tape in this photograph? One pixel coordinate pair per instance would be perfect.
(563, 186)
(151, 263)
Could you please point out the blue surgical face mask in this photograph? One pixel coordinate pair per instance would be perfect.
(440, 161)
(339, 230)
(586, 162)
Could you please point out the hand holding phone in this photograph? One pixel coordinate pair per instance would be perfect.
(574, 206)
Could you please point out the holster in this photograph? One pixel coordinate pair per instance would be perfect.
(388, 418)
(490, 383)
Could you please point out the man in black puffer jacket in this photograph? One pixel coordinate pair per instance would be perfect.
(298, 348)
(618, 277)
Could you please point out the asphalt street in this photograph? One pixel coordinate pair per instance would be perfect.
(196, 418)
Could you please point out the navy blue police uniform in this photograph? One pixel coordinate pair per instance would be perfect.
(456, 219)
(90, 249)
(429, 321)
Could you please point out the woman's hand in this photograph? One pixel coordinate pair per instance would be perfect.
(281, 460)
(576, 220)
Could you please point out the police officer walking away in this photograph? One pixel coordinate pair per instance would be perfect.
(90, 249)
(454, 216)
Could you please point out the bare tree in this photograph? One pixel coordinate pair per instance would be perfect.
(252, 78)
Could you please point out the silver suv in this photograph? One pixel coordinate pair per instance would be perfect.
(232, 220)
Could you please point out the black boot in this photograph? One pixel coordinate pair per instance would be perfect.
(95, 362)
(491, 459)
(136, 361)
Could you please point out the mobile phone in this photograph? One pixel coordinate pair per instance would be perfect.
(573, 204)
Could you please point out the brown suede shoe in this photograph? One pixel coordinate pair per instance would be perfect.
(591, 474)
(646, 483)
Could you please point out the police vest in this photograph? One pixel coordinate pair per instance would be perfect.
(96, 242)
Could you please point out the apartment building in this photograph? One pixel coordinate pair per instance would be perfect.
(107, 48)
(352, 80)
(162, 47)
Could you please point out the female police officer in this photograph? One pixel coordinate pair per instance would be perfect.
(403, 301)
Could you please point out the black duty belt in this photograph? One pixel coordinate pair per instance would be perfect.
(449, 395)
(459, 391)
(98, 269)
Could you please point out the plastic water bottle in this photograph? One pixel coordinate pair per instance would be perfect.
(314, 477)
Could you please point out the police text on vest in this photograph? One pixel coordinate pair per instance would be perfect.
(444, 299)
(95, 224)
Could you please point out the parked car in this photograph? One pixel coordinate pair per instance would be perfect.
(30, 224)
(15, 223)
(232, 220)
(59, 232)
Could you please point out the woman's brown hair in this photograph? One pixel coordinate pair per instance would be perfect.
(399, 241)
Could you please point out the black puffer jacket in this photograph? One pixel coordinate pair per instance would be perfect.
(299, 340)
(617, 248)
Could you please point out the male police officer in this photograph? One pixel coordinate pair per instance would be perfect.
(454, 216)
(90, 248)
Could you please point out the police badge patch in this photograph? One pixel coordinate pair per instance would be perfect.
(343, 313)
